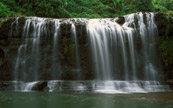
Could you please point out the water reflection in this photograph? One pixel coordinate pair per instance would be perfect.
(78, 100)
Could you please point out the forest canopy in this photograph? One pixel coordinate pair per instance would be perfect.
(81, 8)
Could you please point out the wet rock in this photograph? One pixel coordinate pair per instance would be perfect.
(3, 36)
(6, 71)
(40, 86)
(170, 82)
(162, 21)
(66, 52)
(5, 85)
(2, 55)
(120, 20)
(5, 67)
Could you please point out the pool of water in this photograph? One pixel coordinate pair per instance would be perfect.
(84, 100)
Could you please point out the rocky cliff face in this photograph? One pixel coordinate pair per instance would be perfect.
(163, 21)
(165, 26)
(11, 37)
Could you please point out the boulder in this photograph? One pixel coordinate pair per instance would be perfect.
(120, 20)
(40, 86)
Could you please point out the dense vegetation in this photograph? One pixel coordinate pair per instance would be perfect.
(81, 8)
(166, 45)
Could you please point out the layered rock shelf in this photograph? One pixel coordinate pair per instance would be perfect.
(60, 45)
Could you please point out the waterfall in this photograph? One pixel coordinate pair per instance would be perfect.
(56, 63)
(99, 47)
(114, 50)
(73, 30)
(28, 62)
(114, 44)
(122, 56)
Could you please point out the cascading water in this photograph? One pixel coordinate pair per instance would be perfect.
(73, 30)
(100, 48)
(27, 67)
(122, 55)
(56, 66)
(115, 55)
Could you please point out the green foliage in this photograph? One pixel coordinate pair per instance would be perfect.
(1, 21)
(170, 13)
(67, 8)
(144, 5)
(42, 8)
(168, 4)
(5, 11)
(167, 55)
(164, 6)
(166, 46)
(81, 8)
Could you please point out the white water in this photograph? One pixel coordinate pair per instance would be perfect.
(99, 48)
(14, 27)
(128, 60)
(122, 55)
(28, 86)
(73, 30)
(108, 87)
(103, 32)
(56, 63)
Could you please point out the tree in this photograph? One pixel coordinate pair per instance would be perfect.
(5, 11)
(144, 5)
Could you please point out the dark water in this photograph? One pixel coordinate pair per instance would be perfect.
(83, 100)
